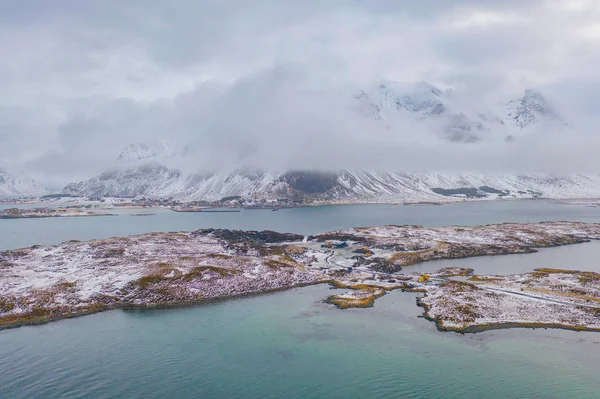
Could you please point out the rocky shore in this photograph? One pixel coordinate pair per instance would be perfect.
(40, 284)
(35, 213)
(546, 298)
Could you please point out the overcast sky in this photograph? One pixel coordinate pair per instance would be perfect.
(256, 81)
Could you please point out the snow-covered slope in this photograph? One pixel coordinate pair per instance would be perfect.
(136, 152)
(11, 185)
(149, 179)
(155, 180)
(531, 109)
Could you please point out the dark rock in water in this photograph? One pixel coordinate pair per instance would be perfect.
(311, 182)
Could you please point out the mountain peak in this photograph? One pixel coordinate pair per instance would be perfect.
(143, 151)
(530, 109)
(534, 95)
(12, 185)
(136, 152)
(424, 87)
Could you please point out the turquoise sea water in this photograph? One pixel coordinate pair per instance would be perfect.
(292, 345)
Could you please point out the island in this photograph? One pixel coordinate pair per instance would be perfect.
(545, 298)
(43, 283)
(35, 213)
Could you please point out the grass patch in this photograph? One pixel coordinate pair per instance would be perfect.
(586, 278)
(219, 256)
(6, 305)
(146, 281)
(275, 264)
(406, 258)
(568, 294)
(459, 286)
(412, 257)
(364, 300)
(63, 287)
(295, 250)
(14, 253)
(452, 271)
(484, 278)
(548, 270)
(199, 271)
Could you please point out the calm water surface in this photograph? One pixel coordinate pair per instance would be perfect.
(309, 220)
(292, 345)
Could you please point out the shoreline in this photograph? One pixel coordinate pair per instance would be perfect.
(153, 306)
(40, 284)
(42, 320)
(498, 326)
(445, 200)
(58, 216)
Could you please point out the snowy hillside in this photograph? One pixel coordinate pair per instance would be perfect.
(155, 180)
(149, 179)
(13, 185)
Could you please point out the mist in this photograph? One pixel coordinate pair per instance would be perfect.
(269, 85)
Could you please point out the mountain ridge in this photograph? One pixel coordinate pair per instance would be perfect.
(158, 181)
(141, 171)
(17, 185)
(452, 119)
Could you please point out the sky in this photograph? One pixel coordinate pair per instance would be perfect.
(265, 83)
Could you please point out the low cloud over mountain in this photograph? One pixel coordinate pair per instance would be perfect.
(300, 85)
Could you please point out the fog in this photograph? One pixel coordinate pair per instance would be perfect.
(268, 84)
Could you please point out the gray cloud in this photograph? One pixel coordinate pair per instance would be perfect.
(260, 83)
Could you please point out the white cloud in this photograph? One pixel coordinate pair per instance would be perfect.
(256, 81)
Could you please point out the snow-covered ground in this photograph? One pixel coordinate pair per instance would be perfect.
(157, 181)
(555, 299)
(41, 283)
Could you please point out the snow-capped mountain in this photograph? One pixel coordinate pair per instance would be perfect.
(141, 171)
(136, 152)
(149, 179)
(529, 110)
(14, 185)
(451, 117)
(141, 152)
(154, 180)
